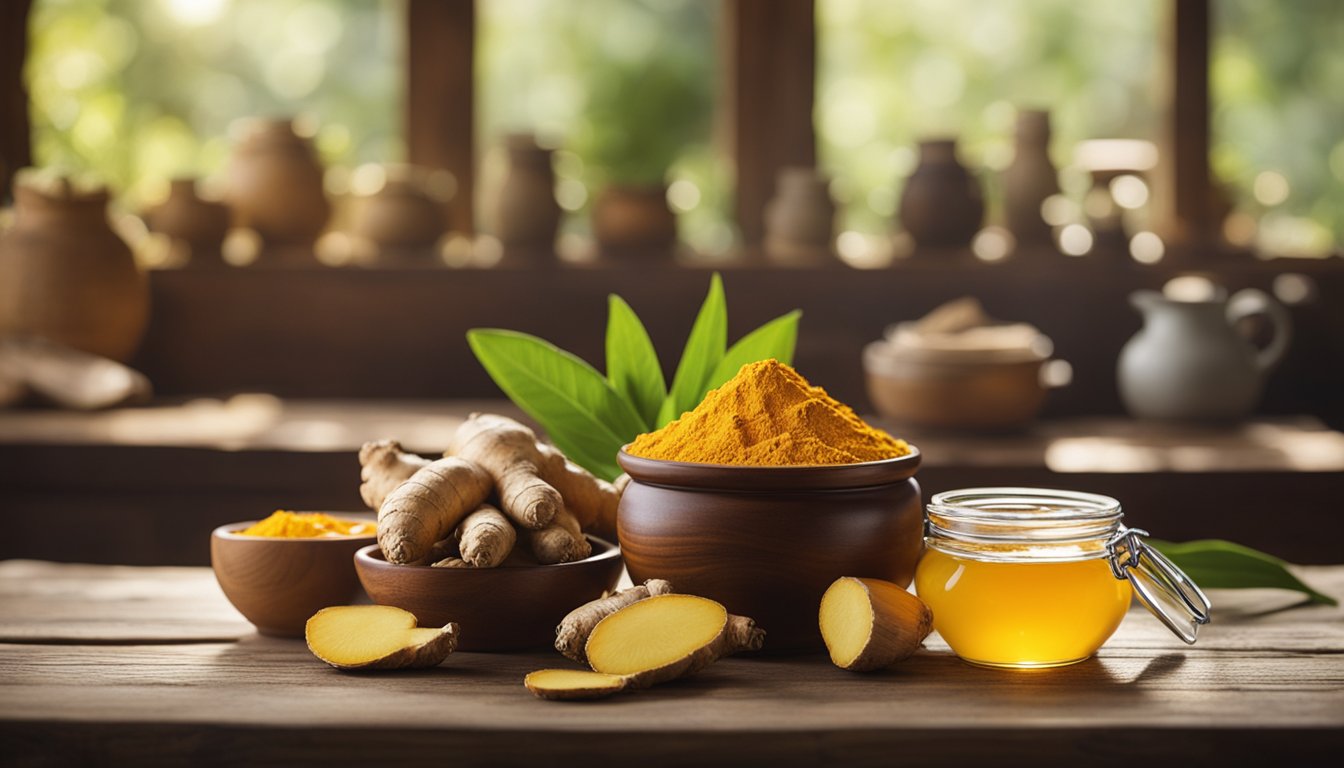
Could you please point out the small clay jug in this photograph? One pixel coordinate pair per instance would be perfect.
(275, 188)
(1030, 179)
(800, 218)
(66, 276)
(942, 205)
(524, 213)
(404, 218)
(634, 222)
(1189, 362)
(195, 227)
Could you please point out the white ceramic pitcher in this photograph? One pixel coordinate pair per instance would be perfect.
(1189, 362)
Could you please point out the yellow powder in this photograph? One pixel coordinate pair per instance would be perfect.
(306, 525)
(769, 415)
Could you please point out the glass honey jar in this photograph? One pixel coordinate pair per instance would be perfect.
(1032, 578)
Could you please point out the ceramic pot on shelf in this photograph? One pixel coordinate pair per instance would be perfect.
(634, 221)
(942, 205)
(524, 214)
(1029, 180)
(1189, 362)
(275, 188)
(404, 218)
(195, 227)
(800, 218)
(66, 276)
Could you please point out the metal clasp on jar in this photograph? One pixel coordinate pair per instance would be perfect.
(1163, 588)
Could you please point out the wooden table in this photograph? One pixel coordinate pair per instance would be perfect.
(122, 665)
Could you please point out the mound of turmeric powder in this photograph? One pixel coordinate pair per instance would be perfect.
(305, 525)
(768, 415)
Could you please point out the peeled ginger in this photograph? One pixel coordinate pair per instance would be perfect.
(870, 624)
(376, 637)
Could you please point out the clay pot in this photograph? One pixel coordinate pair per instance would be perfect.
(67, 277)
(404, 218)
(196, 227)
(275, 188)
(634, 221)
(1030, 179)
(523, 213)
(942, 206)
(800, 218)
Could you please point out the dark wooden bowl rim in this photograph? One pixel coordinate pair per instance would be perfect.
(724, 477)
(372, 557)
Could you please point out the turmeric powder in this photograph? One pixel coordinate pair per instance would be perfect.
(768, 415)
(306, 525)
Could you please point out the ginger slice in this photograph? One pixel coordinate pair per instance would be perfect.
(562, 684)
(574, 629)
(665, 637)
(376, 637)
(870, 624)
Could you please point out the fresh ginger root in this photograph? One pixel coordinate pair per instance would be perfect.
(560, 542)
(427, 507)
(574, 629)
(591, 500)
(871, 624)
(485, 537)
(652, 641)
(376, 637)
(383, 466)
(507, 451)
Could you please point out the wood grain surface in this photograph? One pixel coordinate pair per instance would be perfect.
(1262, 682)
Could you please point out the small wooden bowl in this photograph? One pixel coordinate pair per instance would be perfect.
(767, 541)
(508, 608)
(277, 584)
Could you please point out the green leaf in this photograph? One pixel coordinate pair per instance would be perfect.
(1218, 564)
(704, 349)
(632, 363)
(583, 415)
(775, 339)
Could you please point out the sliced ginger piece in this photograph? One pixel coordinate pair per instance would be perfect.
(572, 634)
(376, 637)
(664, 637)
(563, 684)
(870, 624)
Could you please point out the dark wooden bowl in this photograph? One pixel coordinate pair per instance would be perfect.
(767, 541)
(508, 608)
(277, 584)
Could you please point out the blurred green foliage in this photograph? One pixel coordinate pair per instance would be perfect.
(136, 92)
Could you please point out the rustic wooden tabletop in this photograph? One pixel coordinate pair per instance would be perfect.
(121, 665)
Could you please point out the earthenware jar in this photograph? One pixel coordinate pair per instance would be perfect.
(404, 218)
(1030, 179)
(275, 188)
(1189, 362)
(524, 213)
(800, 218)
(195, 227)
(942, 205)
(634, 221)
(66, 276)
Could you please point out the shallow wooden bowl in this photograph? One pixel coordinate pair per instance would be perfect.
(498, 609)
(767, 541)
(277, 584)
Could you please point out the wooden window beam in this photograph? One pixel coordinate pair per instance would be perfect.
(440, 45)
(1187, 204)
(15, 130)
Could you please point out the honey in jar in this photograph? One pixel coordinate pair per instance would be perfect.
(1029, 578)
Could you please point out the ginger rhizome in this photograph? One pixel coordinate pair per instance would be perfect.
(282, 524)
(376, 637)
(769, 415)
(652, 641)
(572, 633)
(547, 500)
(870, 624)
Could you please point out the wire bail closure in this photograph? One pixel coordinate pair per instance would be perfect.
(1163, 588)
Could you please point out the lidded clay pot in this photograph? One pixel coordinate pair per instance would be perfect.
(66, 276)
(523, 213)
(942, 205)
(800, 218)
(634, 220)
(196, 227)
(405, 217)
(275, 187)
(1030, 179)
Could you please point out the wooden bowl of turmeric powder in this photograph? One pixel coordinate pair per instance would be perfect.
(279, 571)
(765, 494)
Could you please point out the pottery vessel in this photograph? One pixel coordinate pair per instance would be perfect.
(275, 188)
(66, 276)
(942, 205)
(634, 221)
(404, 218)
(800, 218)
(1029, 180)
(196, 227)
(524, 213)
(733, 534)
(1189, 362)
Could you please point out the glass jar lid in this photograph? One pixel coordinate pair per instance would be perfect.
(1026, 525)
